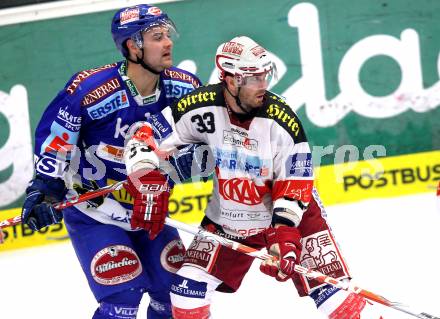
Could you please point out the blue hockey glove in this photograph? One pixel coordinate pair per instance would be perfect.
(182, 161)
(37, 211)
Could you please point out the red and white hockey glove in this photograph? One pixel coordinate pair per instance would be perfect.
(151, 192)
(284, 243)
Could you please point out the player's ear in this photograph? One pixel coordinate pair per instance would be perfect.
(132, 47)
(230, 83)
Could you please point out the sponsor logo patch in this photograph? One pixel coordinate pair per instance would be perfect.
(70, 122)
(278, 113)
(181, 76)
(129, 15)
(50, 166)
(189, 288)
(154, 11)
(244, 215)
(115, 265)
(172, 90)
(84, 75)
(296, 189)
(113, 103)
(234, 161)
(201, 253)
(258, 50)
(60, 141)
(100, 92)
(320, 253)
(233, 48)
(172, 255)
(232, 138)
(110, 152)
(192, 99)
(300, 165)
(241, 190)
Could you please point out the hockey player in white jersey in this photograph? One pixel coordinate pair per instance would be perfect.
(263, 186)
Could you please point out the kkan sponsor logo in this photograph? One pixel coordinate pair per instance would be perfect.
(238, 140)
(114, 102)
(101, 91)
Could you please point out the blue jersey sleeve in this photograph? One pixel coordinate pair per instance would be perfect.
(57, 134)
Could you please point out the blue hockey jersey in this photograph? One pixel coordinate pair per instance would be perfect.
(82, 131)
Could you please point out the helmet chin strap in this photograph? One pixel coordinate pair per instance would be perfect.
(248, 114)
(140, 60)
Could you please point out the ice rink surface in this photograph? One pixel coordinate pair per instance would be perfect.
(390, 245)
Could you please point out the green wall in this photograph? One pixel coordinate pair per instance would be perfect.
(43, 55)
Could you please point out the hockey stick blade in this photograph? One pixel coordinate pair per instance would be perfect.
(313, 274)
(70, 202)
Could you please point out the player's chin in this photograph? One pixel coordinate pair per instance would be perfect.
(167, 61)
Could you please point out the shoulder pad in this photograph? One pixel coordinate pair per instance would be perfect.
(278, 110)
(181, 75)
(178, 82)
(80, 78)
(209, 95)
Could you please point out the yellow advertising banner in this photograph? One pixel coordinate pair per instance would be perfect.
(21, 236)
(342, 183)
(378, 178)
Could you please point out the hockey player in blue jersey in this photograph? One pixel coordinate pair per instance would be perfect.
(79, 145)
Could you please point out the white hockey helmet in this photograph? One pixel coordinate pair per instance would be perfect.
(246, 60)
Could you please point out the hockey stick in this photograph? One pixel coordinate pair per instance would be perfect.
(312, 274)
(70, 202)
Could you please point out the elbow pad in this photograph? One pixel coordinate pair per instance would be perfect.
(288, 212)
(139, 150)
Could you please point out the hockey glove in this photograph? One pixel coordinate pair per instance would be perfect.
(284, 243)
(151, 193)
(191, 160)
(37, 210)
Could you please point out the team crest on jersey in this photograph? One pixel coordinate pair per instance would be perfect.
(115, 265)
(172, 255)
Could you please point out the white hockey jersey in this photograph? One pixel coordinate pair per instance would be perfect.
(263, 166)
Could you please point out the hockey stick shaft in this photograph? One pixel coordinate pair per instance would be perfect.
(312, 274)
(70, 202)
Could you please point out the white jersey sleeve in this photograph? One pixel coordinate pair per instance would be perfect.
(293, 172)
